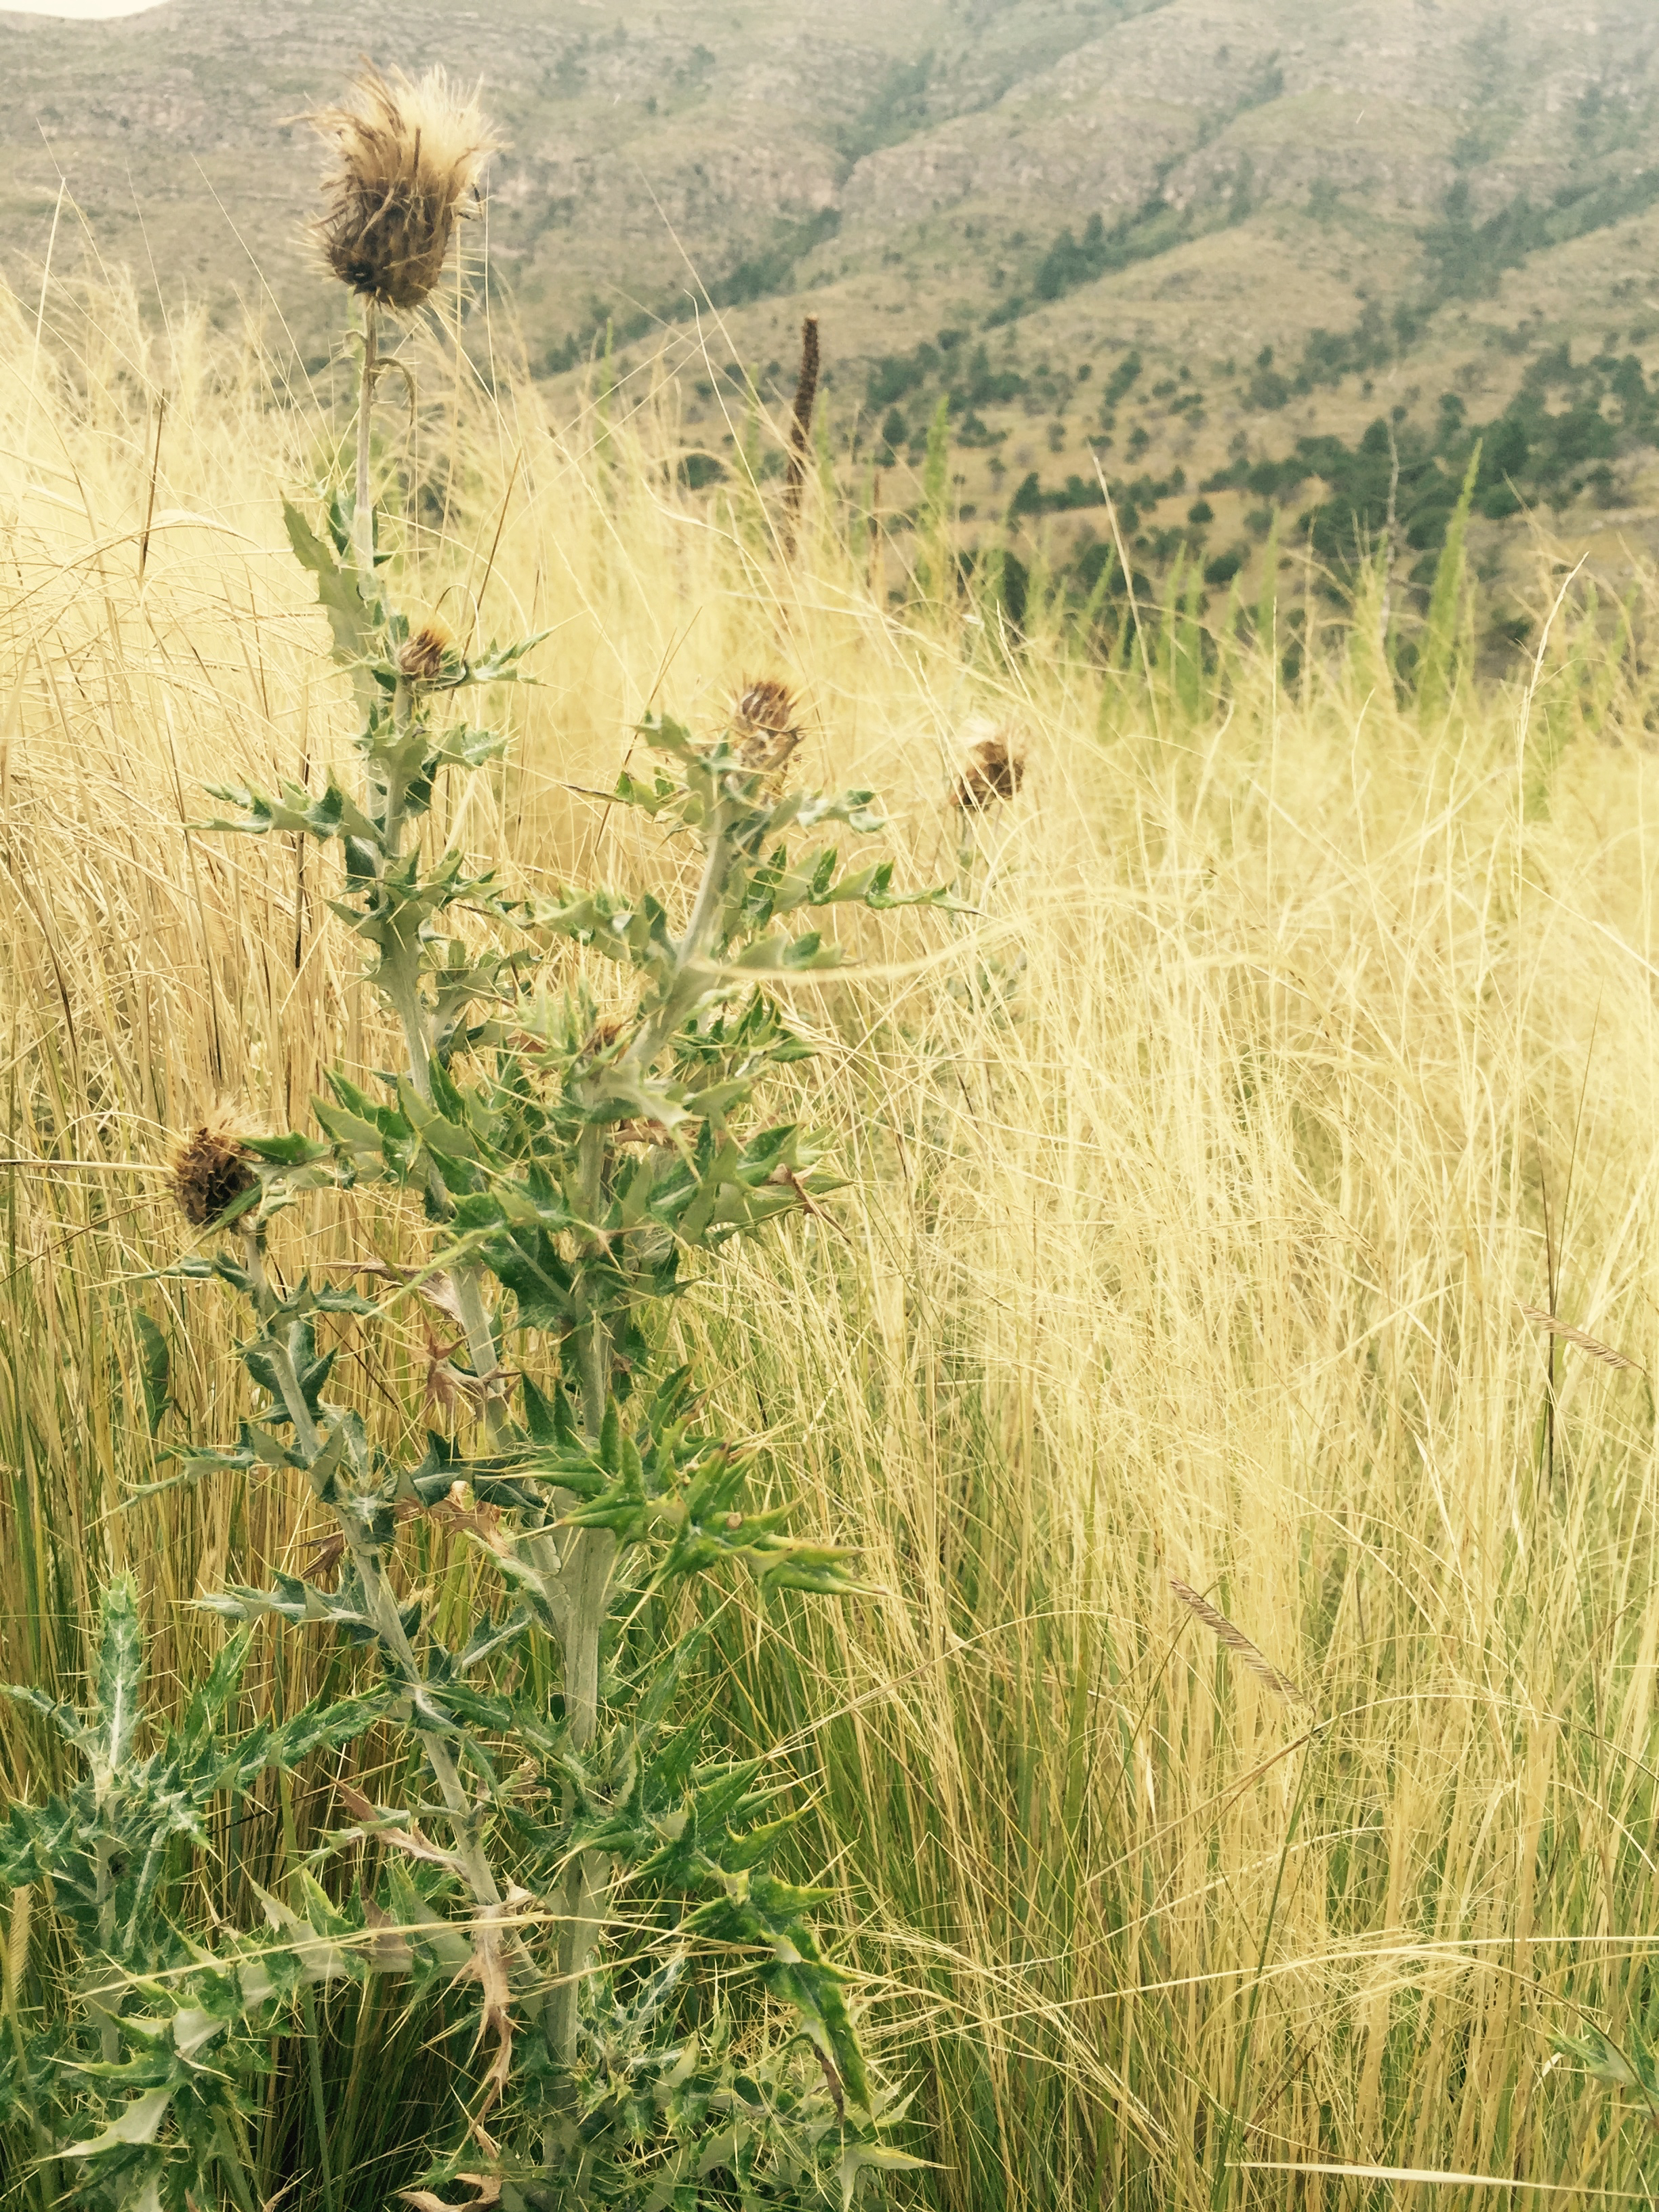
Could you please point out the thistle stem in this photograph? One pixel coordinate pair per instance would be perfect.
(592, 1555)
(381, 1605)
(699, 932)
(595, 1342)
(588, 1570)
(578, 1580)
(400, 982)
(403, 708)
(362, 528)
(108, 1996)
(715, 864)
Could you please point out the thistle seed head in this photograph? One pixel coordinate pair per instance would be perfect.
(210, 1171)
(428, 654)
(993, 771)
(407, 159)
(765, 726)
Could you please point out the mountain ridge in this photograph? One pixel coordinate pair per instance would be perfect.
(1304, 218)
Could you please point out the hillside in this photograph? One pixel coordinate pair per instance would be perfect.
(1210, 243)
(1190, 1278)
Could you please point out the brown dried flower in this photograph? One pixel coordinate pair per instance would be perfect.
(764, 728)
(993, 770)
(449, 1387)
(210, 1171)
(408, 156)
(426, 654)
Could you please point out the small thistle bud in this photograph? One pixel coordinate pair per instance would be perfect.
(428, 654)
(408, 156)
(603, 1035)
(994, 771)
(211, 1172)
(764, 729)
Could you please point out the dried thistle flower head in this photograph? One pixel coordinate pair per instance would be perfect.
(428, 654)
(210, 1171)
(993, 771)
(765, 728)
(407, 157)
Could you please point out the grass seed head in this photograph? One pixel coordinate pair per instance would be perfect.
(407, 158)
(993, 772)
(210, 1171)
(765, 725)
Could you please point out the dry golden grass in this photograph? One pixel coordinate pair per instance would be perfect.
(1199, 1181)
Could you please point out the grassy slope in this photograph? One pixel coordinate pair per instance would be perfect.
(1297, 1044)
(1308, 149)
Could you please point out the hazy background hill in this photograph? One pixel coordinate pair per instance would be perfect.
(1207, 242)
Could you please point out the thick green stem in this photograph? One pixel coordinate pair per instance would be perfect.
(399, 981)
(397, 794)
(107, 1997)
(716, 862)
(591, 1557)
(684, 986)
(578, 1574)
(586, 1880)
(588, 1560)
(308, 2002)
(593, 1343)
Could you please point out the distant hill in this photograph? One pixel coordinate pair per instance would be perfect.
(1212, 244)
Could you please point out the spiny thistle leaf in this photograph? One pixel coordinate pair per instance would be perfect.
(120, 1672)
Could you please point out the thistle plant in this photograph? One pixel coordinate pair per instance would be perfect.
(988, 779)
(648, 2012)
(991, 773)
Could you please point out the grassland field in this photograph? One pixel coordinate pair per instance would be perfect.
(1257, 1189)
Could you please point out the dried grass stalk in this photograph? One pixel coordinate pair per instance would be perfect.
(408, 156)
